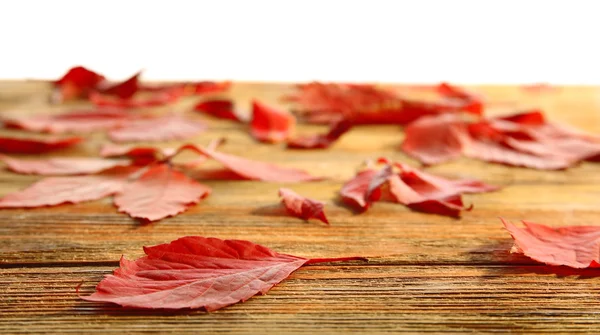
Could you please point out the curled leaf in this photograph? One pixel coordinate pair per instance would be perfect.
(198, 272)
(408, 186)
(302, 207)
(123, 90)
(220, 108)
(77, 83)
(354, 191)
(270, 124)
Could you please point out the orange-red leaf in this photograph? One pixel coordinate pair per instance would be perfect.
(198, 272)
(74, 189)
(77, 83)
(61, 165)
(36, 146)
(302, 207)
(77, 121)
(321, 141)
(270, 124)
(160, 192)
(524, 139)
(411, 187)
(354, 191)
(574, 246)
(124, 90)
(220, 108)
(169, 127)
(367, 104)
(434, 140)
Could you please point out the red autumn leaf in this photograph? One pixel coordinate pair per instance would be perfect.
(410, 190)
(354, 192)
(413, 188)
(525, 139)
(61, 166)
(158, 98)
(468, 101)
(367, 104)
(301, 207)
(574, 246)
(36, 146)
(220, 108)
(169, 127)
(434, 140)
(77, 121)
(198, 272)
(321, 141)
(160, 192)
(73, 189)
(270, 124)
(123, 90)
(253, 170)
(77, 83)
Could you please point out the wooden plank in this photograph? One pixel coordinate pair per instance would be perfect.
(426, 272)
(325, 299)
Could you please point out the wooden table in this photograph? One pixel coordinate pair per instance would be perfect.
(426, 272)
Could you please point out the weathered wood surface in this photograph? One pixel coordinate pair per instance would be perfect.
(426, 272)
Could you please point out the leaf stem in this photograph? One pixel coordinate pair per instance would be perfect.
(338, 259)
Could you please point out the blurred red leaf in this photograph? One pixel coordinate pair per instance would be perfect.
(367, 104)
(73, 189)
(36, 146)
(124, 90)
(155, 99)
(354, 191)
(61, 165)
(270, 124)
(253, 170)
(220, 108)
(158, 193)
(321, 141)
(302, 207)
(77, 83)
(524, 139)
(82, 121)
(165, 128)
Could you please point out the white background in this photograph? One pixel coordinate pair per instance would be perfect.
(519, 41)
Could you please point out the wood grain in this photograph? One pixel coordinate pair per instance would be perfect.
(425, 272)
